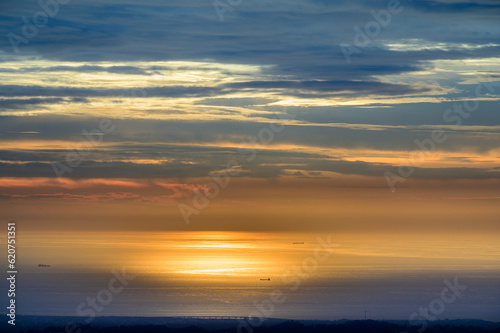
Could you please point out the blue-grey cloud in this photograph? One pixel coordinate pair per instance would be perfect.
(166, 91)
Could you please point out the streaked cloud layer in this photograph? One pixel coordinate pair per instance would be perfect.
(187, 92)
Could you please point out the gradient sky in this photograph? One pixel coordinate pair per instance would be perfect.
(185, 90)
(296, 118)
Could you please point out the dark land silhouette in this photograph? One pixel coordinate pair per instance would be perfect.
(35, 324)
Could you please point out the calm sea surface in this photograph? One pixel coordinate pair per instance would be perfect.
(232, 273)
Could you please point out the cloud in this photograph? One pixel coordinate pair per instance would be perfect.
(360, 87)
(235, 75)
(176, 91)
(31, 103)
(131, 70)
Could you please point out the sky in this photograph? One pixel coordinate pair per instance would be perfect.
(175, 138)
(124, 108)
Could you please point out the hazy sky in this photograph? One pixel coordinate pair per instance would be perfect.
(193, 144)
(178, 89)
